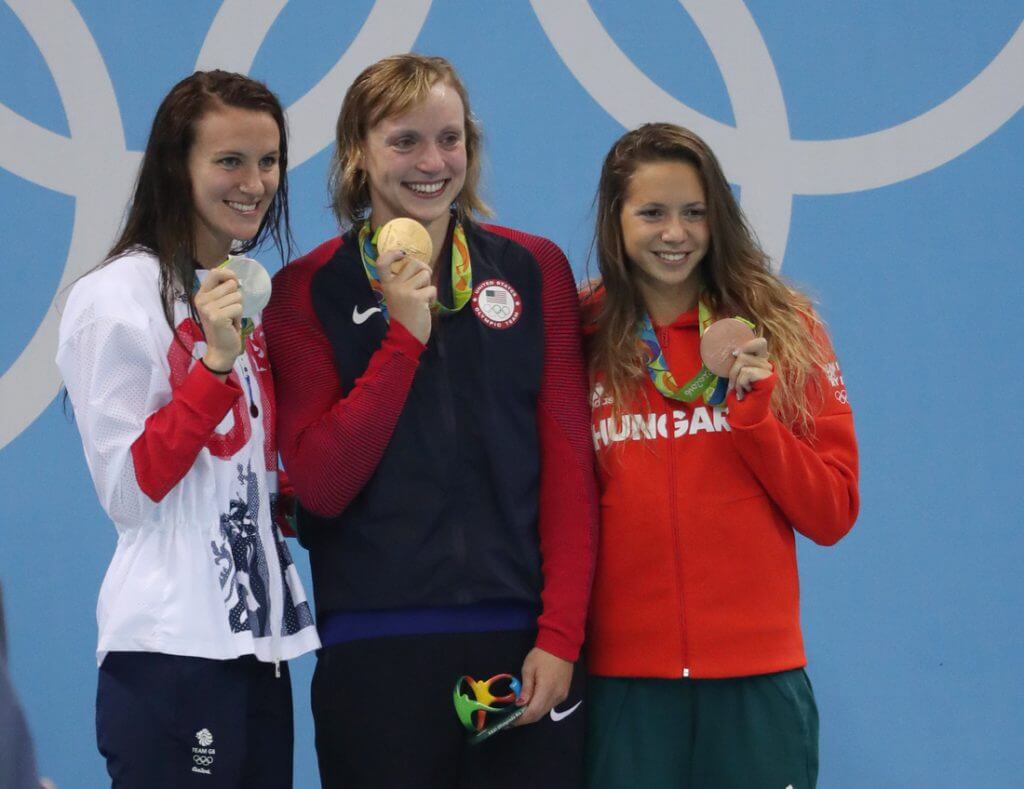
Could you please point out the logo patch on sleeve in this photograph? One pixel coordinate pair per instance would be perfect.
(497, 304)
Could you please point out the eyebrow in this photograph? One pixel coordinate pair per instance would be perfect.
(232, 152)
(693, 204)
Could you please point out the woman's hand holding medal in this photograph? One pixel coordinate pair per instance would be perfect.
(751, 365)
(405, 252)
(409, 293)
(219, 305)
(730, 350)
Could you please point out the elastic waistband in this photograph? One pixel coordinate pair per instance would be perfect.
(339, 627)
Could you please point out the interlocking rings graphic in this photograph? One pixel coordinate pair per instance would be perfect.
(204, 761)
(94, 165)
(473, 711)
(758, 152)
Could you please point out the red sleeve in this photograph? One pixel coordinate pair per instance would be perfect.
(174, 434)
(568, 489)
(812, 480)
(330, 444)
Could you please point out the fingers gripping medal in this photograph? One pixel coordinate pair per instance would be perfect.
(409, 236)
(253, 282)
(720, 340)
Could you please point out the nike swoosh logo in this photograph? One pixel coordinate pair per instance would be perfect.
(557, 716)
(360, 317)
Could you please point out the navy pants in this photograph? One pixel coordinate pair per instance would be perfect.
(173, 721)
(385, 718)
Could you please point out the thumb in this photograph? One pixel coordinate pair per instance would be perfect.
(529, 681)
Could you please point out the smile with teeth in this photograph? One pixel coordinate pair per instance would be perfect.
(242, 208)
(427, 189)
(672, 257)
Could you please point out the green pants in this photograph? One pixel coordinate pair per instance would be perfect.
(742, 733)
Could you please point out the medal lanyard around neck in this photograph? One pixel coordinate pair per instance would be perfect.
(462, 270)
(704, 384)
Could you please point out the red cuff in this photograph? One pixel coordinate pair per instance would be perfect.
(557, 645)
(403, 341)
(755, 406)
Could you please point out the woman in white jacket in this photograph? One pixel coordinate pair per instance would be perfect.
(173, 397)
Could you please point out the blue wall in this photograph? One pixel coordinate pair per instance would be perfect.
(878, 148)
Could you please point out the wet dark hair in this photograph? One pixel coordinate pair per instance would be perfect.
(161, 215)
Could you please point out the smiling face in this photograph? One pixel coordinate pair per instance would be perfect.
(665, 235)
(415, 163)
(234, 168)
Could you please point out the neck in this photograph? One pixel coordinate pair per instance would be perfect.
(665, 305)
(209, 256)
(438, 231)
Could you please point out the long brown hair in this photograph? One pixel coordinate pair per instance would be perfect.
(387, 88)
(161, 215)
(736, 278)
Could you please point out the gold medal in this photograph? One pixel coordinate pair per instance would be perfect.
(408, 235)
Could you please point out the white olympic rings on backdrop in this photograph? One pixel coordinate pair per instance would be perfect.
(758, 152)
(94, 166)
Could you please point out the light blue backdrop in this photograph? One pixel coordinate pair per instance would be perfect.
(878, 148)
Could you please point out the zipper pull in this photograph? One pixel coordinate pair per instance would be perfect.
(277, 669)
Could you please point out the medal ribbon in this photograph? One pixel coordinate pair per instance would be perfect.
(704, 384)
(462, 270)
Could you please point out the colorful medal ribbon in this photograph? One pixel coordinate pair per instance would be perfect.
(462, 270)
(704, 384)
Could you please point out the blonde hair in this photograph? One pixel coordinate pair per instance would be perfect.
(737, 279)
(390, 87)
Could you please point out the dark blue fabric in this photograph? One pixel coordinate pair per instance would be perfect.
(340, 627)
(173, 721)
(449, 517)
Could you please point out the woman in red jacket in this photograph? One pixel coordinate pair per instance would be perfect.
(694, 634)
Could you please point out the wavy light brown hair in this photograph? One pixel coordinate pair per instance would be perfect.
(737, 279)
(390, 87)
(161, 216)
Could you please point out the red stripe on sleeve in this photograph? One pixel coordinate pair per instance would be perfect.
(330, 444)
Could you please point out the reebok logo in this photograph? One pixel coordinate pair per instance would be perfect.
(360, 317)
(557, 716)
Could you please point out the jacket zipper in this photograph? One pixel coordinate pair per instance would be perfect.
(448, 418)
(663, 339)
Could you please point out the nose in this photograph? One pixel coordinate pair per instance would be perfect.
(252, 182)
(431, 161)
(674, 231)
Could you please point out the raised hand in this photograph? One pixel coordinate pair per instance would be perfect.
(409, 293)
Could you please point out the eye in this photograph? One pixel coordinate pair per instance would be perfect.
(695, 213)
(650, 213)
(406, 143)
(229, 162)
(451, 139)
(268, 162)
